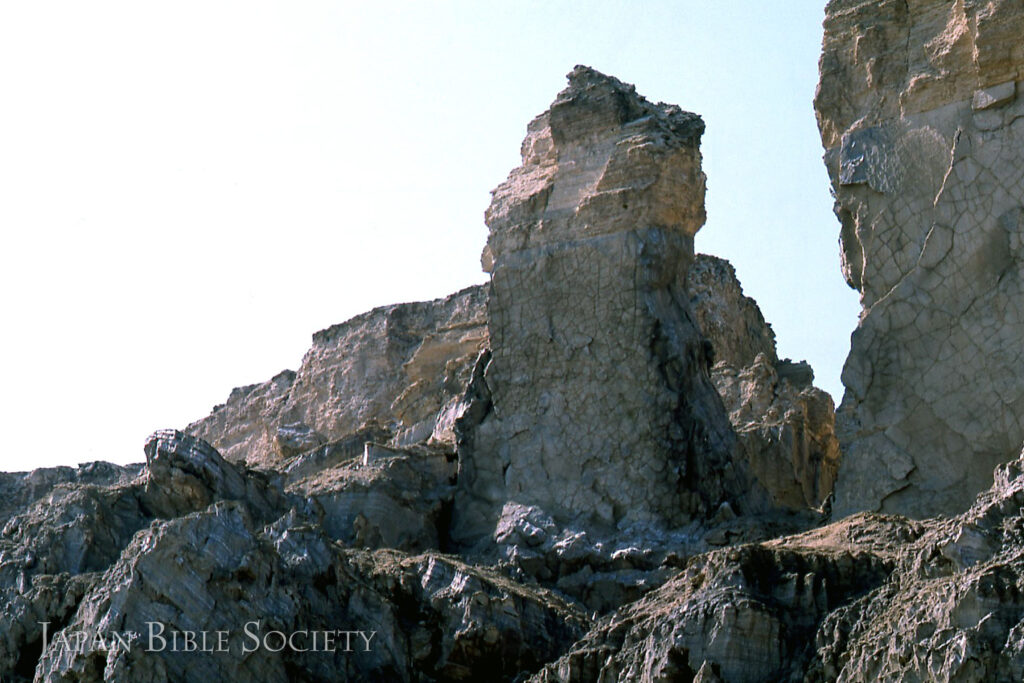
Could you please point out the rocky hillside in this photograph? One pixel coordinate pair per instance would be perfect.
(596, 467)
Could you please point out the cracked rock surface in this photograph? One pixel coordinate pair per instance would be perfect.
(398, 368)
(599, 408)
(472, 488)
(785, 425)
(872, 597)
(922, 123)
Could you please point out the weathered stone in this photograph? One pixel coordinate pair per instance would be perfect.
(786, 426)
(400, 368)
(601, 411)
(730, 320)
(18, 490)
(417, 618)
(394, 499)
(297, 438)
(871, 597)
(741, 614)
(923, 130)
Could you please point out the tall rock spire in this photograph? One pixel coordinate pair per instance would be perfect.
(601, 411)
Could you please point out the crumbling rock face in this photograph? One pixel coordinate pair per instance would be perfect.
(53, 551)
(562, 424)
(18, 490)
(747, 613)
(385, 498)
(601, 413)
(196, 543)
(730, 320)
(785, 425)
(952, 611)
(922, 124)
(398, 367)
(868, 598)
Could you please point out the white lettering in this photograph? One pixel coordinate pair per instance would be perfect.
(249, 634)
(157, 634)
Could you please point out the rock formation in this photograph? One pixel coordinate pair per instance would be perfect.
(562, 429)
(869, 598)
(601, 413)
(785, 425)
(397, 368)
(922, 124)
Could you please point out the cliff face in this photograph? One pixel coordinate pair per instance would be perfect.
(396, 369)
(562, 429)
(601, 411)
(920, 116)
(869, 598)
(785, 425)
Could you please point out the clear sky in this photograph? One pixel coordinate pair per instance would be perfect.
(189, 190)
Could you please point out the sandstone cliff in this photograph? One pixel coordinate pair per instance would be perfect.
(920, 118)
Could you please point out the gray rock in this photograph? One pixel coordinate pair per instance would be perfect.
(921, 122)
(601, 411)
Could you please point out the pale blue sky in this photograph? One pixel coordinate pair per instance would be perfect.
(188, 191)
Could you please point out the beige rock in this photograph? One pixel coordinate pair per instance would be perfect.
(785, 425)
(602, 413)
(922, 127)
(400, 368)
(786, 430)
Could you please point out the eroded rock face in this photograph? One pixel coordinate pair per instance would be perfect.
(924, 134)
(871, 597)
(197, 543)
(785, 425)
(400, 368)
(414, 617)
(18, 490)
(601, 412)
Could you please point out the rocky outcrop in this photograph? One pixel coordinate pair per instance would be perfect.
(18, 490)
(359, 615)
(922, 124)
(385, 498)
(785, 425)
(562, 428)
(600, 409)
(107, 583)
(52, 552)
(869, 598)
(400, 368)
(730, 320)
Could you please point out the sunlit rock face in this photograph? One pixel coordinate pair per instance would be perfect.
(601, 410)
(785, 425)
(396, 371)
(923, 128)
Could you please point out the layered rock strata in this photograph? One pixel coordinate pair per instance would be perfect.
(397, 368)
(922, 124)
(785, 425)
(198, 544)
(869, 598)
(601, 413)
